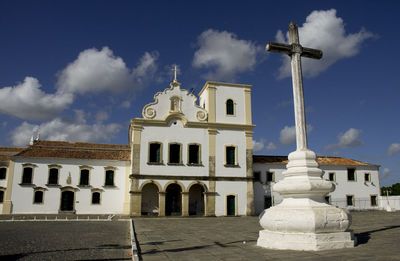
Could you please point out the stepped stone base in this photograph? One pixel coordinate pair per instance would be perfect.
(305, 241)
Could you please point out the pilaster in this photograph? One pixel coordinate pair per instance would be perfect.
(211, 93)
(161, 204)
(7, 204)
(185, 204)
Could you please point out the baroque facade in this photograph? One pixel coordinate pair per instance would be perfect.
(187, 155)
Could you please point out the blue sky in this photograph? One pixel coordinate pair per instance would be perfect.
(82, 69)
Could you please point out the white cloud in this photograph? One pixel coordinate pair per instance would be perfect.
(60, 129)
(347, 140)
(95, 71)
(385, 172)
(271, 146)
(288, 134)
(126, 104)
(325, 31)
(224, 54)
(146, 67)
(258, 145)
(393, 149)
(27, 101)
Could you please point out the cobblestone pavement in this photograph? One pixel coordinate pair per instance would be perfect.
(64, 240)
(234, 238)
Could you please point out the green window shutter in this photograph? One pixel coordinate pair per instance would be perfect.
(230, 155)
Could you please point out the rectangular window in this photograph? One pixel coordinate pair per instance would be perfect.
(109, 178)
(257, 176)
(96, 198)
(53, 176)
(1, 196)
(3, 172)
(367, 177)
(373, 201)
(230, 110)
(328, 199)
(174, 153)
(351, 174)
(27, 175)
(194, 154)
(230, 155)
(38, 198)
(84, 181)
(155, 153)
(270, 176)
(332, 176)
(350, 200)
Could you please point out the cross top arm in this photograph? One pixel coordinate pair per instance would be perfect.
(289, 49)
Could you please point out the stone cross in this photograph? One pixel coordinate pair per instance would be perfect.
(295, 51)
(175, 70)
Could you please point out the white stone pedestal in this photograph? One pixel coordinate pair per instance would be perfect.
(303, 221)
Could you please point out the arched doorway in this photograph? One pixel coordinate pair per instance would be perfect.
(67, 200)
(149, 199)
(196, 200)
(173, 200)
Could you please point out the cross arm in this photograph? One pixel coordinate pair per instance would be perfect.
(289, 49)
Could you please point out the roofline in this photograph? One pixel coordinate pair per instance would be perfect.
(31, 157)
(223, 84)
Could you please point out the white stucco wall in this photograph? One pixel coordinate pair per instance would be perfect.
(361, 191)
(223, 93)
(174, 133)
(225, 188)
(230, 137)
(112, 198)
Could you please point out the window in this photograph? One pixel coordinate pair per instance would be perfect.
(1, 196)
(332, 177)
(96, 198)
(270, 177)
(350, 200)
(38, 197)
(155, 153)
(230, 153)
(367, 177)
(194, 154)
(53, 176)
(84, 181)
(328, 199)
(109, 178)
(27, 175)
(351, 174)
(257, 176)
(230, 109)
(174, 153)
(373, 201)
(3, 172)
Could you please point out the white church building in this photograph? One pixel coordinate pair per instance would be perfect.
(187, 155)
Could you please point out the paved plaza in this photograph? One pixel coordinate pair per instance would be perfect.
(65, 240)
(234, 238)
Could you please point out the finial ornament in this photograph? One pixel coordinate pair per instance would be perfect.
(175, 70)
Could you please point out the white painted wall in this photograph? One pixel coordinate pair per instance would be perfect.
(223, 93)
(225, 188)
(392, 201)
(174, 133)
(112, 199)
(361, 191)
(230, 137)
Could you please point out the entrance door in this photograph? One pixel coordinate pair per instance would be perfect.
(150, 200)
(196, 200)
(67, 201)
(173, 200)
(230, 205)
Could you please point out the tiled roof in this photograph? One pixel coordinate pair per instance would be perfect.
(76, 150)
(6, 152)
(321, 160)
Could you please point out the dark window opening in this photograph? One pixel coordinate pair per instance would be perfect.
(194, 154)
(96, 198)
(109, 178)
(27, 175)
(328, 199)
(155, 153)
(229, 107)
(174, 153)
(53, 176)
(349, 200)
(38, 197)
(351, 174)
(257, 176)
(367, 177)
(332, 176)
(270, 176)
(230, 155)
(3, 172)
(1, 196)
(84, 181)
